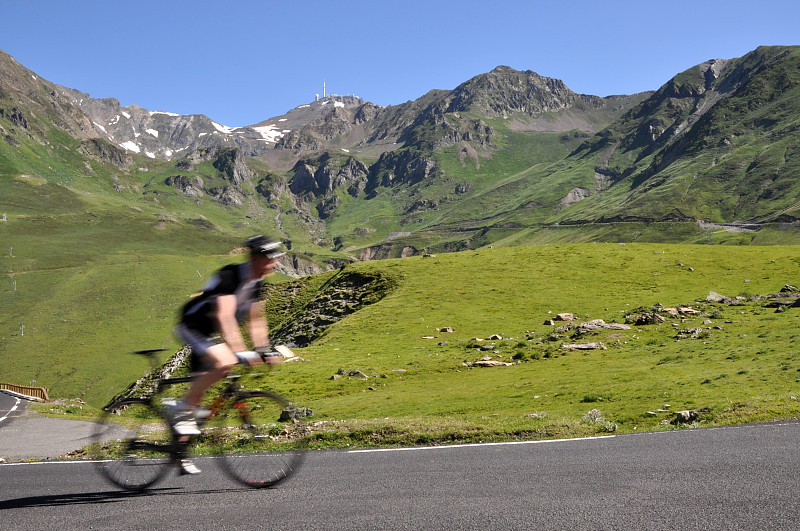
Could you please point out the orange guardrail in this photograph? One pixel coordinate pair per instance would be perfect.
(37, 392)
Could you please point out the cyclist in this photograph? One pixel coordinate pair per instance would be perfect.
(210, 325)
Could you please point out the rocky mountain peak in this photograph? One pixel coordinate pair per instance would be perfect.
(505, 91)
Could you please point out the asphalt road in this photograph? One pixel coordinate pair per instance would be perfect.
(24, 436)
(721, 478)
(10, 408)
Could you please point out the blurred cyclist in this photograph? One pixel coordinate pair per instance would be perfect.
(210, 325)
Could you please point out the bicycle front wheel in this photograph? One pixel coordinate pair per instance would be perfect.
(255, 447)
(132, 445)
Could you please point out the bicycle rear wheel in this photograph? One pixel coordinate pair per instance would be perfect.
(136, 453)
(254, 447)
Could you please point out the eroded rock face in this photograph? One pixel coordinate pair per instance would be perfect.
(188, 186)
(575, 195)
(345, 293)
(326, 174)
(99, 149)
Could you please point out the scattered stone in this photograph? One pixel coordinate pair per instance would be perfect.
(788, 288)
(549, 322)
(353, 374)
(565, 317)
(428, 337)
(294, 413)
(491, 363)
(778, 304)
(686, 417)
(713, 296)
(446, 330)
(646, 318)
(690, 333)
(688, 311)
(566, 328)
(598, 324)
(494, 337)
(584, 346)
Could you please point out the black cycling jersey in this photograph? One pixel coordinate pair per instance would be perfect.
(200, 313)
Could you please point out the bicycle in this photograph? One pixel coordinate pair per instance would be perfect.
(246, 429)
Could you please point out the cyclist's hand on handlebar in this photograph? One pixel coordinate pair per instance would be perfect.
(248, 357)
(270, 357)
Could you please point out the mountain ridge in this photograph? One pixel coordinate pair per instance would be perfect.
(506, 156)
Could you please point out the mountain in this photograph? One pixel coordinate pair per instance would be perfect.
(506, 158)
(716, 143)
(165, 135)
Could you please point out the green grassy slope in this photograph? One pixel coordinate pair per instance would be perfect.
(91, 275)
(421, 388)
(423, 385)
(743, 368)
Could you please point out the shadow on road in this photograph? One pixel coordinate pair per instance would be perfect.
(91, 498)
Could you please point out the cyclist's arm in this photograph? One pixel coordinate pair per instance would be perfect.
(259, 331)
(228, 325)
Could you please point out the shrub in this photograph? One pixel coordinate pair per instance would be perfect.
(596, 417)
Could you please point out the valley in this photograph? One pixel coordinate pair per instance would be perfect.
(488, 209)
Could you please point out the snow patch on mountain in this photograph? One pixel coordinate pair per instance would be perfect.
(130, 146)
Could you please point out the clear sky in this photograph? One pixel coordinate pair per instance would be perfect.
(242, 61)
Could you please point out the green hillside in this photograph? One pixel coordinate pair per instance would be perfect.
(732, 360)
(100, 247)
(743, 360)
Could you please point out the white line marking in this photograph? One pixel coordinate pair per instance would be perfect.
(10, 411)
(450, 447)
(21, 463)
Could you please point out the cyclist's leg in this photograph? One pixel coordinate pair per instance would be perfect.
(213, 357)
(210, 363)
(219, 359)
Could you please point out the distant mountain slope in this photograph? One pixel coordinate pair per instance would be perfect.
(34, 105)
(506, 157)
(165, 135)
(717, 142)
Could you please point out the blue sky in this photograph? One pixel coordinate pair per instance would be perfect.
(243, 61)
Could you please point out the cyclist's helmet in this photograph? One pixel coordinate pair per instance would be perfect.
(260, 245)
